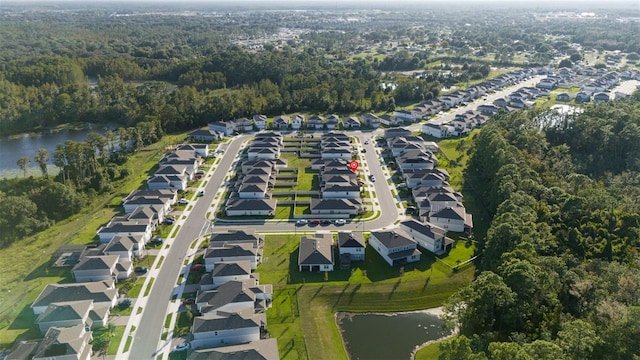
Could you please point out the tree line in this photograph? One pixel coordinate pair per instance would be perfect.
(558, 276)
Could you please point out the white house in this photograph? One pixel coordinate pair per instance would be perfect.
(260, 121)
(223, 272)
(249, 207)
(341, 192)
(297, 121)
(451, 219)
(316, 253)
(266, 349)
(73, 313)
(63, 343)
(226, 329)
(428, 236)
(96, 268)
(434, 130)
(231, 253)
(102, 293)
(235, 296)
(134, 228)
(351, 244)
(395, 247)
(226, 128)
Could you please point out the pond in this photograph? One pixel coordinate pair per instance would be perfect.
(14, 147)
(388, 336)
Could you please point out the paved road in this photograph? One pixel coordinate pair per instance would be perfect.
(147, 335)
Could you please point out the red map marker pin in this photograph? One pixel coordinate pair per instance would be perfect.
(353, 165)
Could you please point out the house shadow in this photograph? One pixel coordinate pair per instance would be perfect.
(26, 321)
(46, 270)
(378, 269)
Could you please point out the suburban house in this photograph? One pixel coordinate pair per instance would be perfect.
(119, 245)
(168, 198)
(226, 271)
(236, 236)
(248, 207)
(281, 122)
(100, 268)
(230, 253)
(297, 121)
(197, 150)
(439, 200)
(225, 128)
(395, 247)
(601, 96)
(224, 329)
(266, 349)
(315, 122)
(102, 293)
(351, 122)
(235, 296)
(64, 343)
(73, 313)
(134, 228)
(123, 247)
(371, 120)
(260, 121)
(452, 219)
(390, 120)
(176, 182)
(437, 131)
(335, 207)
(243, 125)
(347, 191)
(565, 97)
(132, 203)
(203, 135)
(428, 236)
(408, 116)
(316, 253)
(332, 122)
(487, 109)
(352, 245)
(583, 96)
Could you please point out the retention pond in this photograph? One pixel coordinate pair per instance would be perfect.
(388, 336)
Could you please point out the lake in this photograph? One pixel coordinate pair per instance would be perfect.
(14, 147)
(388, 336)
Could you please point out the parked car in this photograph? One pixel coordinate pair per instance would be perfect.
(124, 303)
(301, 222)
(169, 221)
(181, 347)
(325, 222)
(364, 150)
(360, 182)
(401, 186)
(157, 241)
(314, 222)
(189, 301)
(183, 201)
(340, 222)
(410, 210)
(197, 267)
(372, 178)
(141, 270)
(366, 142)
(200, 172)
(201, 193)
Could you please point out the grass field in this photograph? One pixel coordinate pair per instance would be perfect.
(429, 352)
(26, 264)
(371, 285)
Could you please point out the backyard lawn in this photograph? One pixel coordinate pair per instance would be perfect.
(371, 285)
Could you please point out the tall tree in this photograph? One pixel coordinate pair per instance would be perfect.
(23, 164)
(42, 156)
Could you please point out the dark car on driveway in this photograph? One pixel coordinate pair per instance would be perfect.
(141, 270)
(314, 222)
(326, 222)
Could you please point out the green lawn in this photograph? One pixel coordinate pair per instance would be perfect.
(461, 252)
(115, 340)
(26, 263)
(369, 286)
(429, 352)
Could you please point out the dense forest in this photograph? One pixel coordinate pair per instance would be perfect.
(559, 276)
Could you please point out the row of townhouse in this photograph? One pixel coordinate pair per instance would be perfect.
(251, 194)
(66, 313)
(339, 187)
(231, 301)
(316, 253)
(178, 168)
